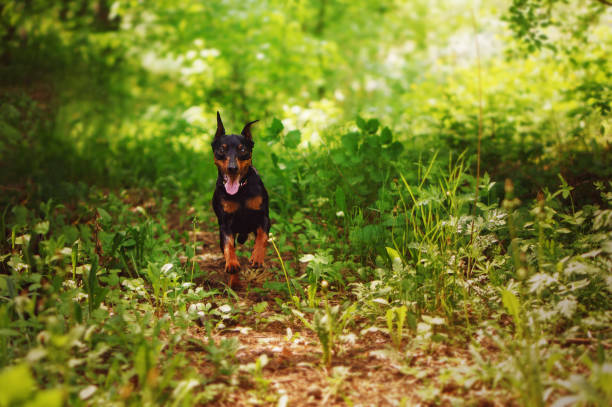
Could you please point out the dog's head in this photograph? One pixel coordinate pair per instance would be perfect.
(232, 155)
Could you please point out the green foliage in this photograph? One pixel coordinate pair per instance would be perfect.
(222, 355)
(399, 315)
(328, 323)
(95, 293)
(52, 274)
(369, 144)
(532, 21)
(18, 389)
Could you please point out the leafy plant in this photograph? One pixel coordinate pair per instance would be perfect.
(328, 323)
(95, 293)
(222, 356)
(19, 388)
(397, 314)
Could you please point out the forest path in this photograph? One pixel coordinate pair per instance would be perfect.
(365, 371)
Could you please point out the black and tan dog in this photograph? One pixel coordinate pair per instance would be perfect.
(240, 200)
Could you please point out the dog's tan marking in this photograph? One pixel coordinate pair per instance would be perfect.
(254, 203)
(243, 167)
(229, 206)
(259, 251)
(232, 264)
(222, 164)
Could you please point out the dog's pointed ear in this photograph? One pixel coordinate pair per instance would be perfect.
(220, 129)
(246, 132)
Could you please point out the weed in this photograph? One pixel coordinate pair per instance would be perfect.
(399, 315)
(328, 323)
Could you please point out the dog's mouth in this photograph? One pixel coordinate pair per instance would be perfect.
(231, 185)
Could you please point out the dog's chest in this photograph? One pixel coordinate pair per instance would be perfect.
(253, 203)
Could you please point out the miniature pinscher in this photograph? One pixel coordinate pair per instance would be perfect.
(240, 200)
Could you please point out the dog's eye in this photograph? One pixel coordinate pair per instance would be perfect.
(242, 149)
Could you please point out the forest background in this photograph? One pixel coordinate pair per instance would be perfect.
(440, 182)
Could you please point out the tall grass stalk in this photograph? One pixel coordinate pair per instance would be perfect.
(477, 188)
(283, 268)
(524, 346)
(193, 259)
(430, 233)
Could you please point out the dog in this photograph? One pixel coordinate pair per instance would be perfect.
(240, 200)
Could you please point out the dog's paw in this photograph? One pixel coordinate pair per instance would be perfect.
(256, 261)
(232, 267)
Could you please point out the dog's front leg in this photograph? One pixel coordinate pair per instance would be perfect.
(259, 250)
(232, 265)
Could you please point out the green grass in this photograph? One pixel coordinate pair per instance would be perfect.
(97, 303)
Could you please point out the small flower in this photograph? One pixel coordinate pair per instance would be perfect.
(166, 268)
(225, 308)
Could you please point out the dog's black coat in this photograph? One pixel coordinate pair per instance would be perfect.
(246, 211)
(244, 220)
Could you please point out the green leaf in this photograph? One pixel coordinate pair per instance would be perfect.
(16, 384)
(393, 254)
(95, 292)
(47, 398)
(360, 123)
(511, 303)
(42, 227)
(293, 138)
(273, 132)
(350, 142)
(389, 315)
(385, 136)
(412, 320)
(260, 307)
(401, 317)
(20, 214)
(395, 149)
(9, 332)
(105, 217)
(372, 126)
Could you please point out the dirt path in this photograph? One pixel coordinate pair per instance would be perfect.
(366, 370)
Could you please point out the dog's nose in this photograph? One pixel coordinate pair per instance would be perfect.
(232, 168)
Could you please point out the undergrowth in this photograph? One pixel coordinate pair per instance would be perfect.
(99, 294)
(432, 228)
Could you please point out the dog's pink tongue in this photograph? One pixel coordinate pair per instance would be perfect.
(232, 186)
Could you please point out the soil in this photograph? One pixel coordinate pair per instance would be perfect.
(365, 371)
